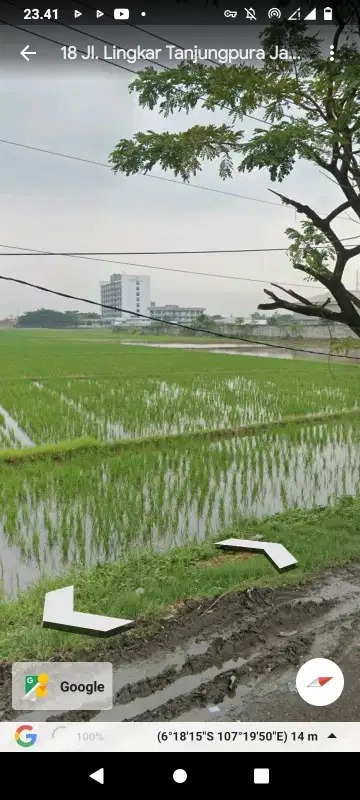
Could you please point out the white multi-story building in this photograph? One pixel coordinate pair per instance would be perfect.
(131, 292)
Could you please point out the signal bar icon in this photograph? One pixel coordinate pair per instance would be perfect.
(311, 16)
(295, 15)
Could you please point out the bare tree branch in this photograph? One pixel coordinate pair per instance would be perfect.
(293, 294)
(307, 311)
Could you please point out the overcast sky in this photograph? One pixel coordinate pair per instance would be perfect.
(53, 203)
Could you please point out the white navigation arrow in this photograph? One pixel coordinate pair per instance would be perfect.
(25, 53)
(276, 553)
(99, 14)
(98, 776)
(59, 614)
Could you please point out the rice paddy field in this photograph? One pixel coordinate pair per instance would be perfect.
(89, 508)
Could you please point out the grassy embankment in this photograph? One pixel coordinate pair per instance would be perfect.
(319, 538)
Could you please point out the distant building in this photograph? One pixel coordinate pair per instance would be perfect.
(255, 322)
(130, 292)
(319, 300)
(175, 313)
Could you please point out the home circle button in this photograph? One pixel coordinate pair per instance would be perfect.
(180, 776)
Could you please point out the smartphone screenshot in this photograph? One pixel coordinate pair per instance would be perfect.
(180, 456)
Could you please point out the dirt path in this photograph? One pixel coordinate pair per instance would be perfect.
(237, 659)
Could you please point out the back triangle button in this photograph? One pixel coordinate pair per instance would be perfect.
(98, 776)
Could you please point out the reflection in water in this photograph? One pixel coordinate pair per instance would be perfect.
(11, 435)
(90, 511)
(261, 353)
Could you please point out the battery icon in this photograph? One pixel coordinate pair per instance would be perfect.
(328, 14)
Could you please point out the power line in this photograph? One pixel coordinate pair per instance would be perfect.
(148, 266)
(155, 252)
(145, 175)
(32, 251)
(152, 252)
(217, 334)
(156, 177)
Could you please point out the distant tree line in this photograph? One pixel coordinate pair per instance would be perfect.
(47, 318)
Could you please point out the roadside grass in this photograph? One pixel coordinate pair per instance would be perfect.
(319, 538)
(61, 451)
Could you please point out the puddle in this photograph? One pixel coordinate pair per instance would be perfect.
(13, 428)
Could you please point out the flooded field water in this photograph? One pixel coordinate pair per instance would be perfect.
(90, 511)
(293, 351)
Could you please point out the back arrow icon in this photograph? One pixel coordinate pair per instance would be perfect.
(25, 53)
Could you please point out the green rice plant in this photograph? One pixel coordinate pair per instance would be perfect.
(139, 392)
(88, 511)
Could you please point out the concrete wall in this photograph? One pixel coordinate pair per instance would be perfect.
(304, 332)
(263, 331)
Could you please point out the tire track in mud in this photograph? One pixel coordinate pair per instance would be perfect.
(234, 652)
(238, 645)
(246, 649)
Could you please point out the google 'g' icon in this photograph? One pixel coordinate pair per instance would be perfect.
(24, 737)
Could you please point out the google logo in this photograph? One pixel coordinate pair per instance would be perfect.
(29, 738)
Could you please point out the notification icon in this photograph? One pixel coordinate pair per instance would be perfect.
(121, 13)
(320, 682)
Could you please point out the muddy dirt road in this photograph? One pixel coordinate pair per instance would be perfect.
(236, 659)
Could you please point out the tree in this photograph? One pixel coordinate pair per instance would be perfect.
(47, 318)
(310, 111)
(204, 321)
(274, 318)
(280, 319)
(239, 321)
(256, 317)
